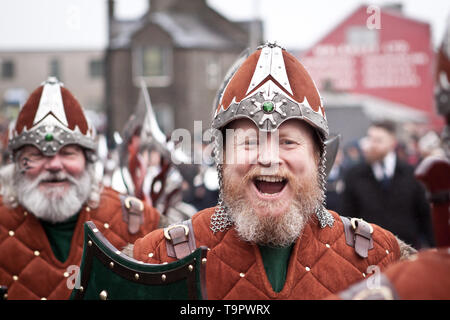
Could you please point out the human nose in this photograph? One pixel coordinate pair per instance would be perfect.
(268, 153)
(54, 164)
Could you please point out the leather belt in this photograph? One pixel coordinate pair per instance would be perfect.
(358, 234)
(180, 240)
(132, 213)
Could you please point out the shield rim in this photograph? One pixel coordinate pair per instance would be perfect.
(96, 245)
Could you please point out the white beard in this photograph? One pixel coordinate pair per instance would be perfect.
(53, 205)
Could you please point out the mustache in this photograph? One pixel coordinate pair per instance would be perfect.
(272, 171)
(55, 177)
(49, 177)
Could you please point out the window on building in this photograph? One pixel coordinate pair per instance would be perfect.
(154, 64)
(213, 73)
(362, 36)
(96, 68)
(55, 68)
(7, 69)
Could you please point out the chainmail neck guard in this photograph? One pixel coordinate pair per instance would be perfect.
(220, 220)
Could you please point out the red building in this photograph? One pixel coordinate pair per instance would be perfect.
(378, 52)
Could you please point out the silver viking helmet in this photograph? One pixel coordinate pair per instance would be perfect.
(51, 119)
(269, 87)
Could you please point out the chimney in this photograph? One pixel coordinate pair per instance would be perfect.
(160, 5)
(395, 6)
(111, 14)
(111, 9)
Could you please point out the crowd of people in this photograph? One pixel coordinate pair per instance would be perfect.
(372, 176)
(275, 225)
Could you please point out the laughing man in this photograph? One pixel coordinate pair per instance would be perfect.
(270, 236)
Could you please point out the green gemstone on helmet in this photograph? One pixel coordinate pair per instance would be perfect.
(49, 137)
(268, 106)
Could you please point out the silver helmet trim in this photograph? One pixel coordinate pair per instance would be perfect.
(50, 131)
(50, 139)
(283, 108)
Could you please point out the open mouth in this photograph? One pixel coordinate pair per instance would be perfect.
(55, 181)
(270, 185)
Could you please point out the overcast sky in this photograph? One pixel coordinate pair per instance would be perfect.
(81, 24)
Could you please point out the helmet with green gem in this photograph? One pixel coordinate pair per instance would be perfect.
(50, 119)
(270, 87)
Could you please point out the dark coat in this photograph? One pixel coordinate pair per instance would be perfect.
(400, 207)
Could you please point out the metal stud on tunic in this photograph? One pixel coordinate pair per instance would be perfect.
(103, 295)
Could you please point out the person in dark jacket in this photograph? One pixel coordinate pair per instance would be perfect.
(384, 191)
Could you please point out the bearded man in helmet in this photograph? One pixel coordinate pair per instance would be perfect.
(49, 190)
(270, 236)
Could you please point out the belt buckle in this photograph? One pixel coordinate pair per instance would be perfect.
(128, 203)
(166, 230)
(353, 221)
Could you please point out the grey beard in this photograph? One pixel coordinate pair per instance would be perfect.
(271, 231)
(275, 231)
(278, 231)
(48, 205)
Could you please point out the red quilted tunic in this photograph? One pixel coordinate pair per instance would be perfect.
(28, 266)
(321, 262)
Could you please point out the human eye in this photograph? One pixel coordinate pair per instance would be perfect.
(31, 158)
(288, 142)
(31, 153)
(251, 142)
(69, 151)
(247, 142)
(34, 156)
